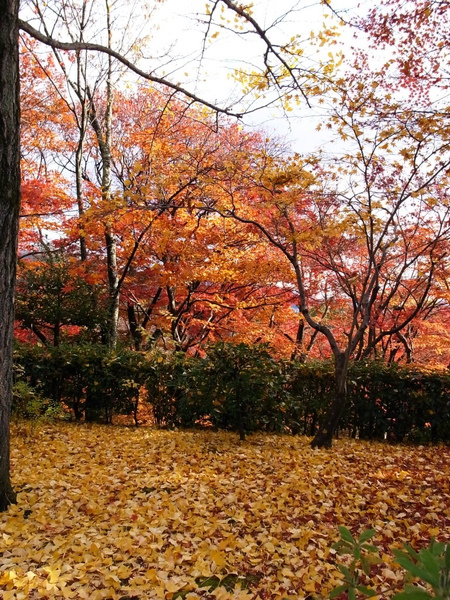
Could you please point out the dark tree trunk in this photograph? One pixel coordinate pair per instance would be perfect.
(135, 330)
(330, 423)
(38, 333)
(113, 286)
(298, 350)
(9, 221)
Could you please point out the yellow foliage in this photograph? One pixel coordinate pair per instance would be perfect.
(109, 512)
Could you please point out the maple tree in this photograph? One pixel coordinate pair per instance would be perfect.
(414, 81)
(379, 222)
(416, 35)
(381, 238)
(198, 266)
(166, 241)
(93, 106)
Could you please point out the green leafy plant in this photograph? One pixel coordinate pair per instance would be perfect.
(364, 555)
(427, 571)
(30, 409)
(430, 566)
(246, 385)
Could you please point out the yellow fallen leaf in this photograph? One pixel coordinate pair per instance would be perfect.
(171, 586)
(218, 558)
(309, 586)
(53, 573)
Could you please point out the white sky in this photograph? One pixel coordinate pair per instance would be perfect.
(177, 30)
(177, 49)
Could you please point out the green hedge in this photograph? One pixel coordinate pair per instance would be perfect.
(240, 388)
(92, 381)
(408, 403)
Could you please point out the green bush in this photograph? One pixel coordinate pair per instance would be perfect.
(241, 388)
(311, 386)
(29, 409)
(164, 384)
(404, 403)
(93, 382)
(27, 404)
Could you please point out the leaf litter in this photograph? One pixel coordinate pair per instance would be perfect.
(136, 514)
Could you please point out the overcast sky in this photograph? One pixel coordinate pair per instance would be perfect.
(177, 49)
(207, 69)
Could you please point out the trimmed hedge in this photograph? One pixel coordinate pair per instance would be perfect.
(240, 388)
(409, 403)
(89, 379)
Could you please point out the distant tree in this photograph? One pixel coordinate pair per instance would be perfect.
(376, 224)
(55, 295)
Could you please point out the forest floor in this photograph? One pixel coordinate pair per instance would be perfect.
(123, 513)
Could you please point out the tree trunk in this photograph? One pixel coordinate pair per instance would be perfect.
(9, 221)
(110, 238)
(79, 189)
(135, 329)
(113, 287)
(298, 352)
(330, 423)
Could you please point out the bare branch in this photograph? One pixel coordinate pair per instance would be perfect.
(77, 46)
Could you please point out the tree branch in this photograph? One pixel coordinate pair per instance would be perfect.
(77, 46)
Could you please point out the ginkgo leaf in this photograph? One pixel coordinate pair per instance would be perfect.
(246, 517)
(53, 573)
(218, 558)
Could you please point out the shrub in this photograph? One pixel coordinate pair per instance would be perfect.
(429, 568)
(92, 381)
(165, 383)
(239, 387)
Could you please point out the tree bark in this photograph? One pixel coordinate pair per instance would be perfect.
(79, 179)
(9, 222)
(329, 425)
(103, 133)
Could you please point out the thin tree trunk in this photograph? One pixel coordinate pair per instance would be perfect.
(110, 238)
(9, 221)
(329, 425)
(298, 349)
(80, 89)
(113, 280)
(135, 330)
(104, 143)
(79, 184)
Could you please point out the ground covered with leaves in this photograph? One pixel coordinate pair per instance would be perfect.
(120, 513)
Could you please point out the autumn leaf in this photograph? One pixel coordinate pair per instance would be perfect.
(256, 517)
